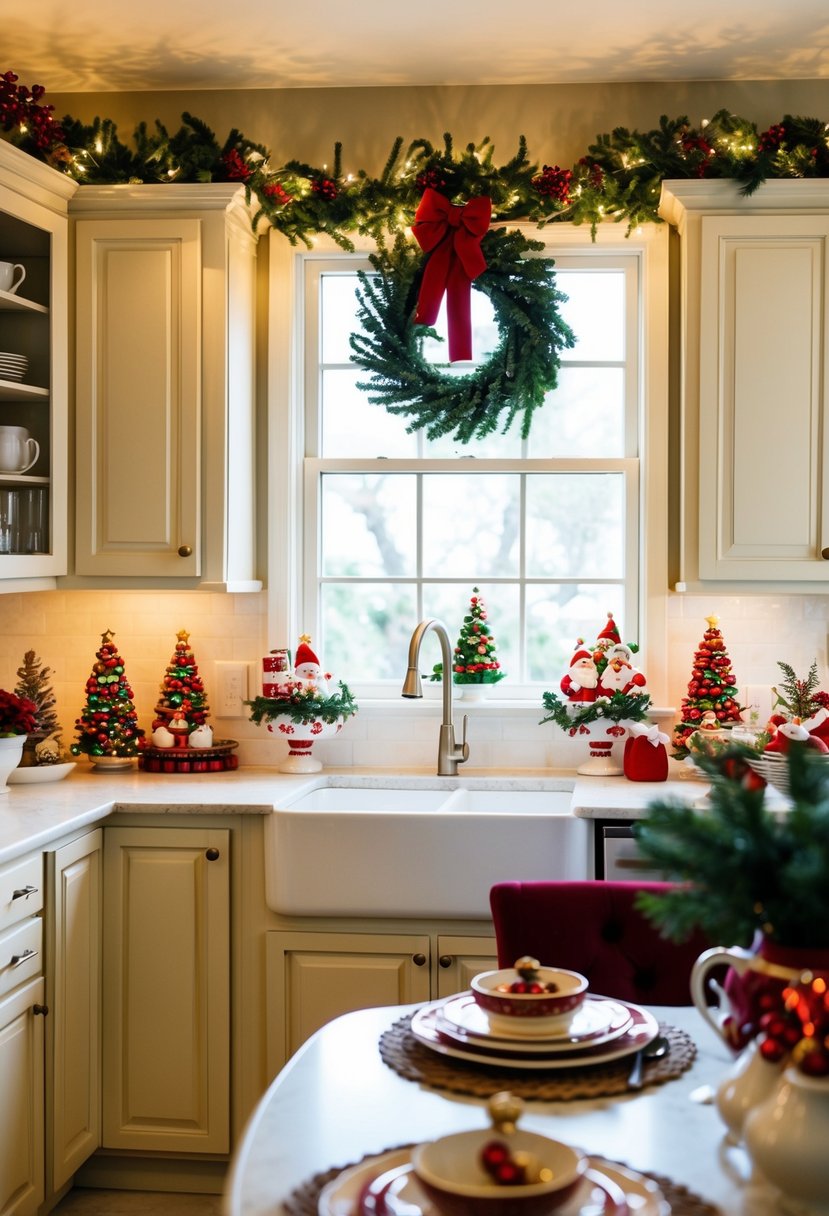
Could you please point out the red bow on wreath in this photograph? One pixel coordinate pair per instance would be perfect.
(451, 234)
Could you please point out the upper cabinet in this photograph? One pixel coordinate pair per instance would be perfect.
(753, 426)
(165, 483)
(34, 325)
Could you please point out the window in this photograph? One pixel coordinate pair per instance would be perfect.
(396, 527)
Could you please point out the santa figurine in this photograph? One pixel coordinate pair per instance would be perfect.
(794, 734)
(307, 670)
(580, 682)
(619, 674)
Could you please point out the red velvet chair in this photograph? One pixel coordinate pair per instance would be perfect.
(594, 928)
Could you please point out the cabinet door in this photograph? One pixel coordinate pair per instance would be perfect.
(166, 996)
(460, 958)
(138, 394)
(34, 322)
(21, 1100)
(764, 293)
(314, 977)
(73, 1033)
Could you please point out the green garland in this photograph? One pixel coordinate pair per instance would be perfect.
(570, 715)
(306, 705)
(513, 380)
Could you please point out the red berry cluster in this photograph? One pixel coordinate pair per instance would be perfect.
(698, 151)
(277, 193)
(430, 179)
(235, 167)
(554, 182)
(595, 173)
(770, 140)
(17, 714)
(501, 1166)
(325, 188)
(528, 979)
(798, 1027)
(20, 107)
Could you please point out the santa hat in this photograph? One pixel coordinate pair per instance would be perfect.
(579, 656)
(304, 654)
(610, 632)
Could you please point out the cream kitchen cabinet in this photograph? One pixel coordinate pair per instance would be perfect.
(22, 1012)
(34, 322)
(166, 992)
(315, 976)
(754, 426)
(165, 386)
(74, 873)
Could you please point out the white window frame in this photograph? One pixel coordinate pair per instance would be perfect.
(289, 509)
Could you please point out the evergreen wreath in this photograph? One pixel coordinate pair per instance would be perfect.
(513, 380)
(620, 707)
(304, 705)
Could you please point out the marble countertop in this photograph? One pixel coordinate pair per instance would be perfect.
(34, 815)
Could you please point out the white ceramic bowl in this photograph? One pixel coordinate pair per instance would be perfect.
(451, 1173)
(529, 1012)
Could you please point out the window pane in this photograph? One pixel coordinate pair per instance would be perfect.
(484, 333)
(471, 525)
(584, 416)
(595, 311)
(353, 427)
(450, 603)
(368, 524)
(338, 315)
(366, 629)
(575, 525)
(557, 616)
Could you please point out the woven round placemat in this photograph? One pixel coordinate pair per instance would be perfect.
(410, 1058)
(303, 1200)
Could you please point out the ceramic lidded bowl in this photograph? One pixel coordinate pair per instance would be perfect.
(513, 1003)
(453, 1173)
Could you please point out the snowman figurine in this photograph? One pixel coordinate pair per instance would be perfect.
(307, 670)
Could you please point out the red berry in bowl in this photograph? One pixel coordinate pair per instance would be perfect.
(493, 1156)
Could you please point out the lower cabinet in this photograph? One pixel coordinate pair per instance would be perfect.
(166, 993)
(73, 1028)
(313, 977)
(21, 1099)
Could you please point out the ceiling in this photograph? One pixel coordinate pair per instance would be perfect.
(110, 45)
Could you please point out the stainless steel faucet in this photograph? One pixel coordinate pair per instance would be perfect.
(449, 754)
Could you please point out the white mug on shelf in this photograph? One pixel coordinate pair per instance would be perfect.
(18, 450)
(8, 270)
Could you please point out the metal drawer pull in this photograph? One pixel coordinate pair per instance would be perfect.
(419, 960)
(24, 892)
(17, 959)
(445, 960)
(41, 1009)
(212, 854)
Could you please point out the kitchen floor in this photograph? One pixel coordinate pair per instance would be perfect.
(90, 1201)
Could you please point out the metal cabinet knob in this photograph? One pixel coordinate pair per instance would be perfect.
(824, 553)
(419, 960)
(445, 961)
(212, 854)
(185, 550)
(40, 1009)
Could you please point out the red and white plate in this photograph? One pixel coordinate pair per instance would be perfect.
(387, 1186)
(429, 1028)
(599, 1020)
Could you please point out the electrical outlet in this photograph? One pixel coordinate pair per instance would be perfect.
(231, 689)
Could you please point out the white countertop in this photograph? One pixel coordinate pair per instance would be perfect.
(33, 815)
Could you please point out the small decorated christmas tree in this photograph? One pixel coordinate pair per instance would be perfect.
(473, 659)
(711, 699)
(182, 692)
(34, 684)
(108, 723)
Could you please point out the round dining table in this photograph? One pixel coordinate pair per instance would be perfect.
(337, 1101)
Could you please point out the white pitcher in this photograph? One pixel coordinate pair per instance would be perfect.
(18, 450)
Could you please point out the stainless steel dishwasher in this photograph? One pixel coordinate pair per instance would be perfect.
(617, 855)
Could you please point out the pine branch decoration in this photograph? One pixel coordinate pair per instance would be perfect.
(798, 696)
(34, 683)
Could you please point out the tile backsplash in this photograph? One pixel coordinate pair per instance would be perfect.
(64, 629)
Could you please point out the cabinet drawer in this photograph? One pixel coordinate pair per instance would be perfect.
(21, 954)
(21, 889)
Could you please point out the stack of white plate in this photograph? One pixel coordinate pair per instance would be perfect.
(12, 367)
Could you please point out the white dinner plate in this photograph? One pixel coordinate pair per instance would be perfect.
(343, 1196)
(33, 774)
(599, 1020)
(425, 1026)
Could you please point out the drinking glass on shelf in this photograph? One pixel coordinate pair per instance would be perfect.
(9, 520)
(34, 520)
